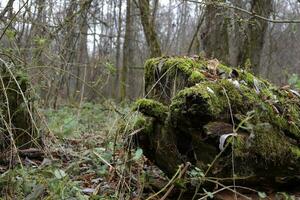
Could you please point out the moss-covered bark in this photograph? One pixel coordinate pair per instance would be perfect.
(189, 118)
(15, 122)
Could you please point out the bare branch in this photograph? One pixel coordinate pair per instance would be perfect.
(8, 6)
(252, 14)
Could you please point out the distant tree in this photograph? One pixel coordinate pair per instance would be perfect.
(238, 40)
(215, 34)
(149, 28)
(127, 49)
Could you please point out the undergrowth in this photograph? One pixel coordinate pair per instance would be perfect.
(89, 158)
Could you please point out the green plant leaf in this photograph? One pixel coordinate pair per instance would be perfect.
(262, 195)
(10, 33)
(138, 154)
(196, 172)
(209, 194)
(294, 78)
(59, 174)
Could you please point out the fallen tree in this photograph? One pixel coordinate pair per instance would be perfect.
(226, 122)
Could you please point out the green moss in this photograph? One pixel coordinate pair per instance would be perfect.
(140, 122)
(224, 68)
(151, 108)
(150, 66)
(239, 146)
(270, 116)
(196, 77)
(213, 97)
(247, 77)
(280, 109)
(171, 66)
(270, 145)
(295, 151)
(144, 123)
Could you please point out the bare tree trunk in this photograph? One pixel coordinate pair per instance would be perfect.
(257, 31)
(118, 50)
(233, 42)
(67, 51)
(82, 49)
(149, 29)
(215, 35)
(127, 50)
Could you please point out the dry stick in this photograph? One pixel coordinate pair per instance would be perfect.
(82, 87)
(226, 5)
(201, 19)
(229, 188)
(215, 159)
(50, 131)
(220, 190)
(134, 114)
(103, 160)
(179, 176)
(208, 169)
(233, 140)
(153, 86)
(122, 181)
(230, 178)
(82, 93)
(12, 142)
(167, 185)
(232, 146)
(9, 126)
(111, 167)
(224, 187)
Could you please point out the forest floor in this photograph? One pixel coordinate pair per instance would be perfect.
(87, 156)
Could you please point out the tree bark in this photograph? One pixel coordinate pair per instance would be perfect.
(257, 31)
(127, 50)
(215, 34)
(17, 114)
(149, 29)
(236, 43)
(82, 57)
(216, 113)
(118, 51)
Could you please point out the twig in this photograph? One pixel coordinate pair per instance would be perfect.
(24, 99)
(215, 159)
(233, 140)
(179, 176)
(167, 185)
(103, 160)
(12, 19)
(229, 188)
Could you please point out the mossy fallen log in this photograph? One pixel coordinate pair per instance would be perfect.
(213, 116)
(17, 126)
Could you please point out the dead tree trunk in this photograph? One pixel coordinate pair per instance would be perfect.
(203, 112)
(18, 127)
